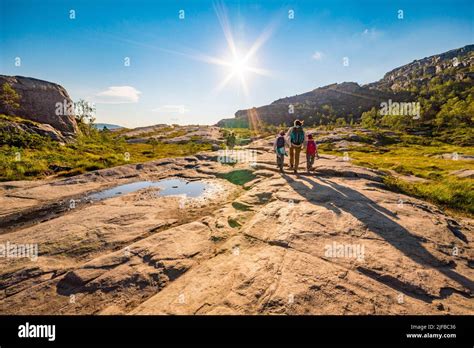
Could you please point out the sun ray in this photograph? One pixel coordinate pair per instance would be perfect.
(259, 71)
(244, 85)
(224, 82)
(221, 14)
(255, 123)
(266, 34)
(239, 63)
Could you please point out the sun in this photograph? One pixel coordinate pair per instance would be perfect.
(239, 63)
(238, 67)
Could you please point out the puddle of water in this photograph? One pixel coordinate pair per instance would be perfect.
(174, 187)
(167, 187)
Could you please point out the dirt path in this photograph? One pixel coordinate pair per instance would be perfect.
(333, 242)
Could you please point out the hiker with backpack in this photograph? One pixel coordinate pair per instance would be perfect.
(311, 152)
(297, 138)
(279, 147)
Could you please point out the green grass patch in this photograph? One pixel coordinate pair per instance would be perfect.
(238, 177)
(417, 160)
(28, 156)
(417, 156)
(233, 223)
(453, 193)
(241, 206)
(242, 134)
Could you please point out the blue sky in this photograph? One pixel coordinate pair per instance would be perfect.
(170, 78)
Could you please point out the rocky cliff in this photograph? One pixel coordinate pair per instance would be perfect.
(39, 103)
(452, 65)
(349, 100)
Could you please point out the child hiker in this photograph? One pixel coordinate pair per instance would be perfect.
(311, 152)
(279, 147)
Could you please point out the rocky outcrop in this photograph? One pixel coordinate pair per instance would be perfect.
(39, 102)
(452, 65)
(41, 129)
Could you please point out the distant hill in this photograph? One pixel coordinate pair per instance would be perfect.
(321, 105)
(101, 126)
(348, 100)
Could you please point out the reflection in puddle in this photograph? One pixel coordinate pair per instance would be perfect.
(167, 187)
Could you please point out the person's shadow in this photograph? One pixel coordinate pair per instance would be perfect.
(377, 219)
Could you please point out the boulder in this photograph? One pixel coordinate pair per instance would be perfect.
(39, 103)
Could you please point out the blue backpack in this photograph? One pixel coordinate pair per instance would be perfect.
(280, 142)
(297, 135)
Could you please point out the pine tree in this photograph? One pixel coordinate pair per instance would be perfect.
(9, 98)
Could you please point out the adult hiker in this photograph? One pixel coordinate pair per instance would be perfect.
(297, 138)
(279, 148)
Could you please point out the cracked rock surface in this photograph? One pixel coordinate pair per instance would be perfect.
(335, 241)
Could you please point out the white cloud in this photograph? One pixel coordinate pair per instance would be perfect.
(179, 109)
(317, 55)
(118, 95)
(371, 33)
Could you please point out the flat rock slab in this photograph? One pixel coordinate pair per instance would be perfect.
(332, 241)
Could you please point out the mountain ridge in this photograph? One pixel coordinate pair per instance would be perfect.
(325, 104)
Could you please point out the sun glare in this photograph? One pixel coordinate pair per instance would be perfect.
(238, 67)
